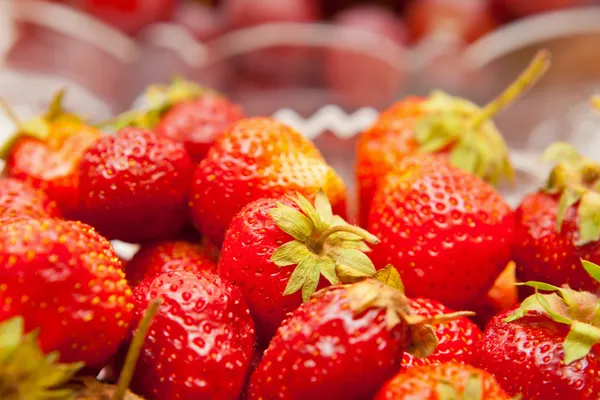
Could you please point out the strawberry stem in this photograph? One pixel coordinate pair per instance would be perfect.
(135, 348)
(534, 71)
(10, 113)
(367, 237)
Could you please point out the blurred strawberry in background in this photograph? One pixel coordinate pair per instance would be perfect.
(202, 20)
(130, 16)
(359, 78)
(467, 20)
(519, 8)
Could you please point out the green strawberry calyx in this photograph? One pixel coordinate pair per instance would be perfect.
(576, 179)
(25, 371)
(38, 127)
(467, 131)
(159, 99)
(323, 244)
(473, 390)
(577, 309)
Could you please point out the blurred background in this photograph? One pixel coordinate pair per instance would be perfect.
(324, 66)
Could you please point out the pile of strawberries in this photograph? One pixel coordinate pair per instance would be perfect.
(251, 284)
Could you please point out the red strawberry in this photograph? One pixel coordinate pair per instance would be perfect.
(447, 231)
(547, 348)
(159, 257)
(18, 199)
(200, 343)
(64, 278)
(187, 113)
(559, 225)
(344, 343)
(46, 152)
(439, 123)
(456, 339)
(442, 382)
(134, 186)
(278, 251)
(255, 158)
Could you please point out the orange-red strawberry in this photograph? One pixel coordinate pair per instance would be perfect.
(19, 199)
(158, 257)
(442, 382)
(46, 151)
(447, 231)
(457, 339)
(200, 343)
(548, 347)
(185, 112)
(65, 279)
(343, 343)
(255, 158)
(560, 224)
(134, 186)
(278, 251)
(439, 123)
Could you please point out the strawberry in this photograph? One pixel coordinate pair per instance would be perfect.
(46, 151)
(158, 257)
(64, 278)
(187, 113)
(442, 382)
(502, 296)
(559, 225)
(439, 123)
(456, 339)
(200, 343)
(257, 157)
(548, 347)
(19, 199)
(278, 251)
(344, 343)
(447, 231)
(134, 186)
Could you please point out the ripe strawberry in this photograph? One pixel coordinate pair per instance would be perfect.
(187, 113)
(344, 343)
(558, 225)
(502, 296)
(134, 186)
(18, 199)
(64, 278)
(456, 339)
(447, 231)
(255, 158)
(439, 123)
(547, 348)
(46, 151)
(200, 343)
(159, 257)
(278, 251)
(442, 382)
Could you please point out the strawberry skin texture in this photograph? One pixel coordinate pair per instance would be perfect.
(66, 280)
(255, 158)
(447, 232)
(541, 253)
(251, 240)
(134, 186)
(526, 357)
(381, 147)
(19, 199)
(51, 165)
(420, 383)
(457, 338)
(197, 122)
(323, 351)
(156, 258)
(201, 342)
